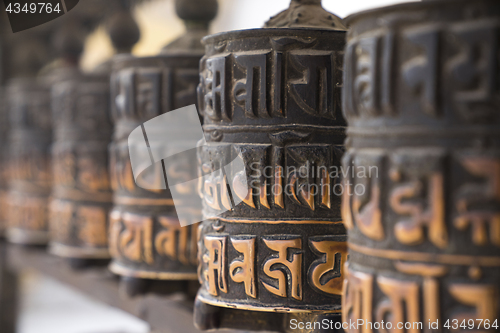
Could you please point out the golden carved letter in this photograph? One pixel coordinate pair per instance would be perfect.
(280, 268)
(243, 270)
(136, 240)
(484, 298)
(357, 298)
(410, 230)
(488, 191)
(215, 274)
(401, 305)
(328, 264)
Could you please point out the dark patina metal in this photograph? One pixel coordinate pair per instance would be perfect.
(147, 242)
(26, 162)
(141, 220)
(272, 95)
(29, 161)
(81, 196)
(38, 58)
(422, 99)
(3, 161)
(3, 125)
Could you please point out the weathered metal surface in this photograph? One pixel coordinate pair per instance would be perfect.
(3, 161)
(146, 239)
(274, 96)
(422, 100)
(29, 161)
(81, 195)
(3, 123)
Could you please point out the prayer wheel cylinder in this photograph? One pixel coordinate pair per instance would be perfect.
(153, 243)
(147, 241)
(81, 196)
(422, 100)
(29, 172)
(3, 162)
(272, 96)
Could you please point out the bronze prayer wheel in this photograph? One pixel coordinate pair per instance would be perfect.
(3, 129)
(147, 242)
(29, 161)
(3, 161)
(422, 99)
(30, 136)
(272, 96)
(26, 130)
(81, 195)
(146, 239)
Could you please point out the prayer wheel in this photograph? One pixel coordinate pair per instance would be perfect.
(272, 244)
(422, 100)
(3, 162)
(149, 247)
(26, 116)
(38, 58)
(3, 127)
(29, 172)
(82, 195)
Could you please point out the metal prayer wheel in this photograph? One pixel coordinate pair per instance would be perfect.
(81, 196)
(148, 245)
(272, 96)
(146, 239)
(421, 97)
(3, 129)
(27, 155)
(32, 61)
(29, 161)
(3, 162)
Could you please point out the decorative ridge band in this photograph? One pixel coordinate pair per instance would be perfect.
(241, 306)
(266, 128)
(453, 259)
(420, 130)
(278, 221)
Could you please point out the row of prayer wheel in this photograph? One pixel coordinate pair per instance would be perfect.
(370, 190)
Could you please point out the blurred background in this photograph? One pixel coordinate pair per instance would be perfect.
(46, 305)
(159, 24)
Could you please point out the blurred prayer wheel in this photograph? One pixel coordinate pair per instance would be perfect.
(272, 96)
(29, 161)
(3, 162)
(26, 171)
(143, 222)
(422, 99)
(3, 129)
(30, 137)
(81, 196)
(147, 243)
